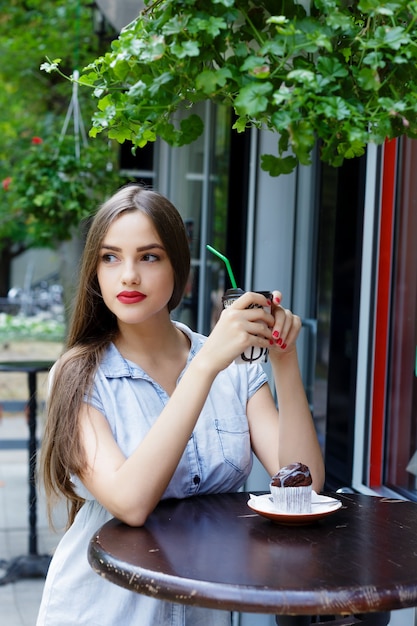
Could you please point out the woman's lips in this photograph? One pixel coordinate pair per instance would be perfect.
(130, 297)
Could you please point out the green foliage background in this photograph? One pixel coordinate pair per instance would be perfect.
(31, 103)
(50, 190)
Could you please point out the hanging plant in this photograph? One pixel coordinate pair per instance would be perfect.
(53, 188)
(340, 71)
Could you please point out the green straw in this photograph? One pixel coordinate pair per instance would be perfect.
(227, 263)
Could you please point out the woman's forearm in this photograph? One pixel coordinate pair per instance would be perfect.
(297, 433)
(131, 487)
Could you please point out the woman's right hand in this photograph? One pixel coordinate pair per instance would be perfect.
(238, 328)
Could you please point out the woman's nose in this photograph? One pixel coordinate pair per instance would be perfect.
(130, 274)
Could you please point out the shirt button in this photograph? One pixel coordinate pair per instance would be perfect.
(196, 479)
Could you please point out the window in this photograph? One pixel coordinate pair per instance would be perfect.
(401, 425)
(199, 182)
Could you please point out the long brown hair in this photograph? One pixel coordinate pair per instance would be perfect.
(93, 326)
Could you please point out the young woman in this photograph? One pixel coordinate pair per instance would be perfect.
(142, 408)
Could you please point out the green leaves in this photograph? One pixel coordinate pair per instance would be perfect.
(50, 66)
(342, 73)
(252, 99)
(185, 49)
(276, 166)
(208, 81)
(52, 189)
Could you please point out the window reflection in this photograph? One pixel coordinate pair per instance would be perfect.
(199, 181)
(401, 439)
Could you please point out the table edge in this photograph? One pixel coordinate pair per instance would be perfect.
(229, 597)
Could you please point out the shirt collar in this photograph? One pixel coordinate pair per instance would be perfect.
(114, 365)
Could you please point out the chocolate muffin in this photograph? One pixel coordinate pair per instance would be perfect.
(291, 488)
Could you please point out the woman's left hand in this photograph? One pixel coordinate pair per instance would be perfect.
(286, 327)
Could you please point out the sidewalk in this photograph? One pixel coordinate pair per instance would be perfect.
(19, 601)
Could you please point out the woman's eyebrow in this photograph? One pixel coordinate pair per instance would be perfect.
(150, 246)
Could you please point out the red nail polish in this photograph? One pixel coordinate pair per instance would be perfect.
(271, 343)
(277, 300)
(284, 345)
(279, 342)
(275, 334)
(269, 302)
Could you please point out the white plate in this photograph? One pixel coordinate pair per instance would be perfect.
(321, 506)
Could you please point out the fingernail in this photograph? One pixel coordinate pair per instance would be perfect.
(284, 345)
(269, 302)
(279, 342)
(271, 343)
(277, 300)
(275, 334)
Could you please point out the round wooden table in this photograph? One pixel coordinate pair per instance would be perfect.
(213, 551)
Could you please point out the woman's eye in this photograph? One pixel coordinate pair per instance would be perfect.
(150, 258)
(109, 258)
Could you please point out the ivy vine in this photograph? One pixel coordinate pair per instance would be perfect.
(343, 72)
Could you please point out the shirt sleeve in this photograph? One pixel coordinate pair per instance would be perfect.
(98, 396)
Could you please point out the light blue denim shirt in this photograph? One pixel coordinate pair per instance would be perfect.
(217, 458)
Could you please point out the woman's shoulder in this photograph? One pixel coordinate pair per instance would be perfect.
(61, 361)
(60, 365)
(78, 362)
(196, 339)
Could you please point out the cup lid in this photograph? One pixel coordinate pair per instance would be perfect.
(233, 293)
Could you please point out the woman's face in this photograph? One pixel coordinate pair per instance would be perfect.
(134, 272)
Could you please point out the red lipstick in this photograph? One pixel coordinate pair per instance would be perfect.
(130, 297)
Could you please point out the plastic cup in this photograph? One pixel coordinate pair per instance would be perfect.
(253, 354)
